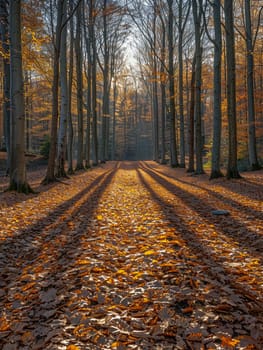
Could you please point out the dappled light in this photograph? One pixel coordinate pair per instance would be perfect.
(130, 256)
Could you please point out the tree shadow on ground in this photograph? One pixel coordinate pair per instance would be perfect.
(38, 258)
(229, 226)
(205, 253)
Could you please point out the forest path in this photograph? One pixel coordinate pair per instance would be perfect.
(130, 256)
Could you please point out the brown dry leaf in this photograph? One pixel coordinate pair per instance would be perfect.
(195, 337)
(127, 256)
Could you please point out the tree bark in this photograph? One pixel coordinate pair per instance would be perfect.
(4, 35)
(78, 52)
(172, 112)
(18, 181)
(94, 81)
(191, 126)
(252, 148)
(50, 174)
(163, 92)
(232, 169)
(69, 114)
(155, 90)
(217, 118)
(61, 152)
(198, 83)
(181, 83)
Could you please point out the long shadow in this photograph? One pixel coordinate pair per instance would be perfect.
(40, 225)
(258, 214)
(14, 199)
(204, 253)
(252, 188)
(205, 210)
(59, 253)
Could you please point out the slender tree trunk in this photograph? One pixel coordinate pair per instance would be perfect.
(89, 84)
(69, 113)
(28, 111)
(163, 92)
(215, 171)
(4, 36)
(61, 152)
(252, 148)
(18, 181)
(172, 112)
(94, 82)
(191, 126)
(78, 51)
(198, 83)
(114, 120)
(50, 174)
(106, 87)
(155, 91)
(181, 85)
(232, 170)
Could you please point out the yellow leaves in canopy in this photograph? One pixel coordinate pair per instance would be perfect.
(99, 217)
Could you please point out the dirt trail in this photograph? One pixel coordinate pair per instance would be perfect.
(130, 256)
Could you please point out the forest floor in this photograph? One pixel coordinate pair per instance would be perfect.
(131, 255)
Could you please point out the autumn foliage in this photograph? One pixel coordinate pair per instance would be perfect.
(132, 256)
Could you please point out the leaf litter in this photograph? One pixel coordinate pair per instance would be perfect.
(130, 256)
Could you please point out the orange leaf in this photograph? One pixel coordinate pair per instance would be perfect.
(229, 341)
(72, 347)
(195, 337)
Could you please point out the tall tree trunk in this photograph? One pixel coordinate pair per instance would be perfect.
(181, 83)
(155, 91)
(172, 112)
(78, 51)
(4, 36)
(215, 171)
(28, 111)
(232, 170)
(61, 152)
(114, 120)
(89, 92)
(69, 113)
(18, 181)
(94, 81)
(163, 92)
(191, 126)
(198, 83)
(252, 148)
(106, 87)
(50, 174)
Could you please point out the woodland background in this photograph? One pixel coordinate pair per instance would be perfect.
(174, 81)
